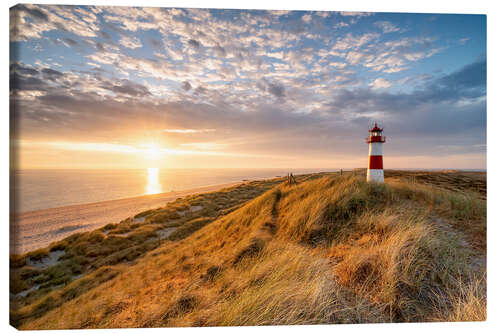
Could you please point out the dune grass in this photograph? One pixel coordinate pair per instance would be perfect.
(332, 249)
(122, 242)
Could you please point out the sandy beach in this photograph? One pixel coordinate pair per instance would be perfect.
(36, 229)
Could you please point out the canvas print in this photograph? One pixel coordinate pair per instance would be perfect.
(221, 167)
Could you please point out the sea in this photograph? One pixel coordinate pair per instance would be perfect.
(33, 190)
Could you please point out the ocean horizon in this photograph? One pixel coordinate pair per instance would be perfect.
(36, 189)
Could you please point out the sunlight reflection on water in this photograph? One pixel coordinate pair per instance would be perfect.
(153, 185)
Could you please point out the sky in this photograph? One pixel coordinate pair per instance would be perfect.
(131, 87)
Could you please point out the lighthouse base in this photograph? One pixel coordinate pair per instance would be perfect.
(375, 175)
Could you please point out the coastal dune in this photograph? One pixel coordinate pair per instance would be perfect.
(32, 230)
(325, 249)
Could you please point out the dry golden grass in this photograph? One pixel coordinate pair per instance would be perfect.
(466, 303)
(122, 242)
(329, 250)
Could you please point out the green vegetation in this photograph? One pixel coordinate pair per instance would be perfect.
(332, 249)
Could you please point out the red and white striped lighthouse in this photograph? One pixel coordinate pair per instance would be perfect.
(375, 171)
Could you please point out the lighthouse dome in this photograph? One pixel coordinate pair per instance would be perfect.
(375, 128)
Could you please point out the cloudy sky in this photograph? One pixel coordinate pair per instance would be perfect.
(122, 87)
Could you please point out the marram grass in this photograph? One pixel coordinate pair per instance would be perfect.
(332, 249)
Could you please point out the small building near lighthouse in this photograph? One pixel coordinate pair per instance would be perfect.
(375, 171)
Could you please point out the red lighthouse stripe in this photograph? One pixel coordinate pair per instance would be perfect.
(376, 162)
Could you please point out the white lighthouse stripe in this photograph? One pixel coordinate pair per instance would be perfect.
(375, 175)
(375, 148)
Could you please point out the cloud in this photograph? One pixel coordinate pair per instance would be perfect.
(355, 57)
(156, 44)
(129, 88)
(354, 42)
(338, 64)
(389, 57)
(380, 83)
(470, 76)
(188, 130)
(386, 26)
(219, 51)
(130, 42)
(32, 21)
(22, 69)
(273, 128)
(205, 145)
(467, 83)
(194, 44)
(51, 74)
(463, 41)
(279, 12)
(341, 24)
(356, 14)
(414, 56)
(33, 12)
(200, 90)
(70, 42)
(20, 83)
(186, 86)
(274, 88)
(104, 34)
(105, 57)
(265, 81)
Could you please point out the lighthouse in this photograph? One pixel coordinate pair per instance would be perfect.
(375, 171)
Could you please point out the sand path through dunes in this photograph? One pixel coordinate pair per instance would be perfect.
(32, 230)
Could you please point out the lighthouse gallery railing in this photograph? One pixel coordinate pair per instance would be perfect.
(378, 138)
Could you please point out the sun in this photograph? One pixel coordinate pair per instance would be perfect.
(153, 152)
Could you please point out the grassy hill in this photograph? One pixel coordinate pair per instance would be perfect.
(332, 249)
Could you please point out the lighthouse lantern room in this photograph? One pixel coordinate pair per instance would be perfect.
(375, 171)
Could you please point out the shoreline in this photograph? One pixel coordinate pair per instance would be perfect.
(36, 229)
